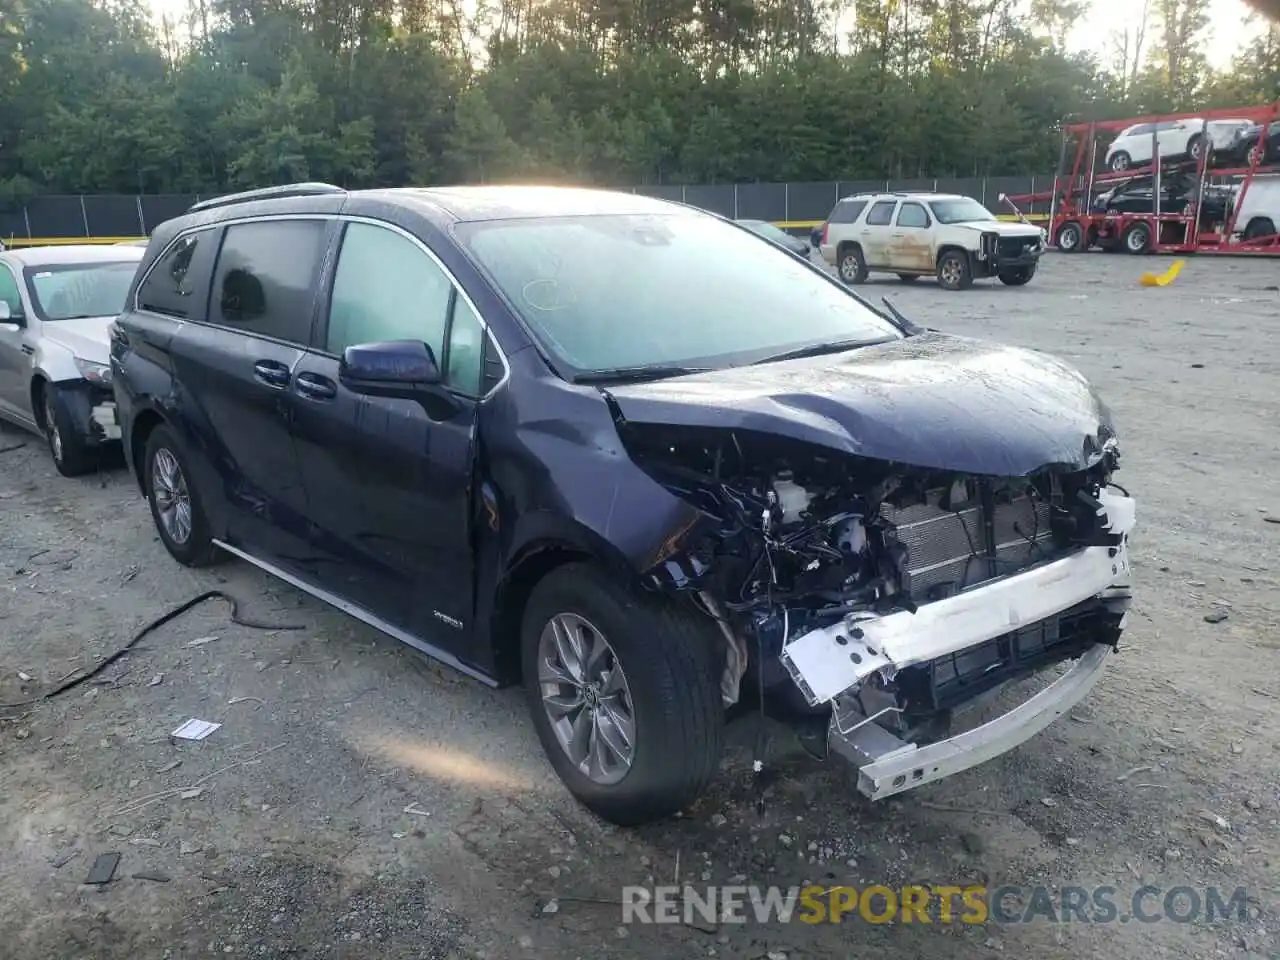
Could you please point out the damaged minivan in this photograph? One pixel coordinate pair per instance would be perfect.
(623, 453)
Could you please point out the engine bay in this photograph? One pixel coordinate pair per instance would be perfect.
(797, 537)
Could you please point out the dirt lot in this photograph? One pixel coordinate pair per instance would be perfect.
(360, 802)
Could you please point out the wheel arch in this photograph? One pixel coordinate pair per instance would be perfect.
(952, 247)
(528, 566)
(144, 424)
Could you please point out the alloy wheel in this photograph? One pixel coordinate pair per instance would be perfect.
(172, 496)
(950, 272)
(51, 430)
(587, 699)
(849, 268)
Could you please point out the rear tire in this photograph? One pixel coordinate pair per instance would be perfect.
(954, 272)
(1259, 227)
(851, 265)
(668, 695)
(1120, 161)
(72, 455)
(176, 506)
(1195, 146)
(1136, 238)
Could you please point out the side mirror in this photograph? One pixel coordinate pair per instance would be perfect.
(401, 369)
(5, 313)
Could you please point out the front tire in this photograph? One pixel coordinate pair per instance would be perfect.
(954, 272)
(624, 691)
(1070, 237)
(1017, 276)
(176, 506)
(72, 456)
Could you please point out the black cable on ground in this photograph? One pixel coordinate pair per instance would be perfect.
(150, 627)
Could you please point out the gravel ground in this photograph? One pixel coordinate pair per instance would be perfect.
(361, 802)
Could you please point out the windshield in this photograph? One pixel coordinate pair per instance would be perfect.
(672, 290)
(963, 210)
(70, 290)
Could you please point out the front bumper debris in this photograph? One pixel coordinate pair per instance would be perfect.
(827, 662)
(887, 765)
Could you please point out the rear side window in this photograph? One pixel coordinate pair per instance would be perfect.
(265, 279)
(881, 214)
(178, 282)
(1136, 130)
(847, 211)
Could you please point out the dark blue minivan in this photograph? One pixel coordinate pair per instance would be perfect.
(621, 451)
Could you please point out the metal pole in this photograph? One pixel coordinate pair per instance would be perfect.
(84, 215)
(26, 218)
(735, 201)
(786, 202)
(1201, 180)
(142, 220)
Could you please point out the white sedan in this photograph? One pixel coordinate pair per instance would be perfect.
(1176, 138)
(56, 305)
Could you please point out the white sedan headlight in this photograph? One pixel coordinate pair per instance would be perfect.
(99, 373)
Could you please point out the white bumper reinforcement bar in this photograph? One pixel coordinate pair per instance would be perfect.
(900, 766)
(828, 661)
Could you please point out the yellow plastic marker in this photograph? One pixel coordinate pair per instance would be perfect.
(1150, 279)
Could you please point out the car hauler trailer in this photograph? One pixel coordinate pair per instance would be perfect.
(1215, 165)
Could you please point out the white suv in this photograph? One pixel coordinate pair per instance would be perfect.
(951, 237)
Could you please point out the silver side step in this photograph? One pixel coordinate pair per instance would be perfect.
(361, 614)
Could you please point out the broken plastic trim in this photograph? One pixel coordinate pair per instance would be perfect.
(828, 661)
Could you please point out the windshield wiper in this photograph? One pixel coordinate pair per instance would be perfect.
(655, 371)
(908, 326)
(816, 350)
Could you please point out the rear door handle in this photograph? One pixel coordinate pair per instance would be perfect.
(315, 387)
(271, 372)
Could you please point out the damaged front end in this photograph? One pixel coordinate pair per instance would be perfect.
(883, 599)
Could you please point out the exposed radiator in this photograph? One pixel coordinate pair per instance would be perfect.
(950, 550)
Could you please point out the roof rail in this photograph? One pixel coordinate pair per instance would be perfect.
(267, 193)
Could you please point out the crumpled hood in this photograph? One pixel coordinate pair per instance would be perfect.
(86, 337)
(933, 401)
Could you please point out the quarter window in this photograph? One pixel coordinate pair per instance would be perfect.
(265, 280)
(465, 356)
(881, 214)
(178, 283)
(912, 215)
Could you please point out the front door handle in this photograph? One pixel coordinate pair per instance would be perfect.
(315, 387)
(271, 372)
